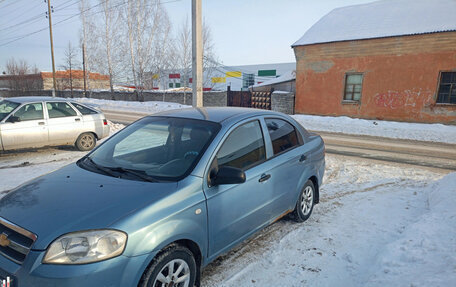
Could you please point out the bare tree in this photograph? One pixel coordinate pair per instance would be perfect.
(88, 39)
(147, 26)
(109, 30)
(184, 52)
(24, 77)
(70, 62)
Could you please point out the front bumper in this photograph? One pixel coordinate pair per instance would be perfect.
(118, 271)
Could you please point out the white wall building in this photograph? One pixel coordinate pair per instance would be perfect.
(220, 77)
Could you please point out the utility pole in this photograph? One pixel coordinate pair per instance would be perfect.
(84, 70)
(52, 45)
(197, 54)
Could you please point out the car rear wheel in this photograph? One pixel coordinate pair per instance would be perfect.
(86, 141)
(305, 203)
(174, 267)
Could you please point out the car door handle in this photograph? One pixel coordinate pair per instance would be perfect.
(41, 123)
(77, 120)
(264, 177)
(302, 158)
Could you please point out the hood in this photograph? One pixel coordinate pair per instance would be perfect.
(73, 199)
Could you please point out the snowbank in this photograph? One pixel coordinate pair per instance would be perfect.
(426, 253)
(139, 107)
(389, 129)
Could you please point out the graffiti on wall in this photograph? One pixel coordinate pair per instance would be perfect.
(415, 98)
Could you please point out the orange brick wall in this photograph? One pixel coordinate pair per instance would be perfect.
(401, 77)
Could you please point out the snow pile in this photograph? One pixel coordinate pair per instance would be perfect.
(114, 128)
(130, 106)
(426, 253)
(400, 130)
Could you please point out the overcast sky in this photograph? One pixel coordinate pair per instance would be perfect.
(244, 31)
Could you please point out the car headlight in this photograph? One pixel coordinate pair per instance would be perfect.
(86, 247)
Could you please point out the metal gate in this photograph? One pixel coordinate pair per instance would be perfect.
(239, 98)
(261, 100)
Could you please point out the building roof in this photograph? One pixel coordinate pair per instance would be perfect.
(286, 77)
(385, 18)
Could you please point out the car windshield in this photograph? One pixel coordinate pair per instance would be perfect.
(153, 148)
(6, 107)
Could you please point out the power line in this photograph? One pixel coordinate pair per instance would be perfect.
(75, 15)
(12, 2)
(35, 18)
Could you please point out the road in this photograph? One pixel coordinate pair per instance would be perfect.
(428, 154)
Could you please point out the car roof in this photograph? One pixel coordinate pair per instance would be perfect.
(215, 114)
(22, 100)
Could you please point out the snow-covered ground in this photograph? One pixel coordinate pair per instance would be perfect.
(138, 107)
(376, 225)
(346, 125)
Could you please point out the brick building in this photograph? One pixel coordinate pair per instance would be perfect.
(392, 60)
(43, 81)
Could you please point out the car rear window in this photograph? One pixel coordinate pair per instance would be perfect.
(84, 110)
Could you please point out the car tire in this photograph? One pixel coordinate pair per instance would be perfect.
(305, 203)
(86, 141)
(179, 259)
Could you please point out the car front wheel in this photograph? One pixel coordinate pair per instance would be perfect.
(86, 141)
(174, 267)
(305, 203)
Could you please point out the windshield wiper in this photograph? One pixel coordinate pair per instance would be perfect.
(99, 167)
(136, 173)
(114, 171)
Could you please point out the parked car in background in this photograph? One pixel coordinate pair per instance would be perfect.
(160, 199)
(32, 122)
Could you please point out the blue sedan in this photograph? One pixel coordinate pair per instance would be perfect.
(160, 200)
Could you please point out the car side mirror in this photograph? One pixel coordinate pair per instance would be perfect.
(13, 119)
(228, 175)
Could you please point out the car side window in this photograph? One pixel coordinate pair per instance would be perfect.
(60, 109)
(243, 148)
(84, 110)
(283, 135)
(30, 112)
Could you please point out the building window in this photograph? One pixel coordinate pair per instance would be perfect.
(353, 87)
(447, 88)
(248, 80)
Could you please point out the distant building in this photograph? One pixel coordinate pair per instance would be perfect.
(44, 81)
(285, 83)
(220, 77)
(393, 60)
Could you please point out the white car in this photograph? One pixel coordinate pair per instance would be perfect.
(32, 122)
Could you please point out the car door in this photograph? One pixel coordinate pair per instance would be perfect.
(290, 160)
(29, 131)
(65, 124)
(237, 210)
